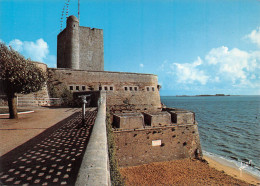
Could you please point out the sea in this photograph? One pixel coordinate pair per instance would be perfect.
(229, 127)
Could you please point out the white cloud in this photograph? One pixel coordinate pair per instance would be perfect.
(254, 36)
(17, 45)
(235, 65)
(190, 73)
(231, 71)
(231, 64)
(36, 51)
(141, 65)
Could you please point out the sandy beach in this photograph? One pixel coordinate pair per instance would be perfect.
(185, 172)
(234, 172)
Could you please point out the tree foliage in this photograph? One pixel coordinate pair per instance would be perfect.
(18, 75)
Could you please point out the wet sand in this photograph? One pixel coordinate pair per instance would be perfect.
(182, 172)
(232, 171)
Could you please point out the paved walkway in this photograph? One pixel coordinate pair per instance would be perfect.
(50, 158)
(15, 132)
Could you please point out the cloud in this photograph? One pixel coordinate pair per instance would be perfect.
(36, 51)
(232, 64)
(254, 36)
(17, 45)
(141, 65)
(189, 73)
(231, 71)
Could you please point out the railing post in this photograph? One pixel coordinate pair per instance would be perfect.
(84, 101)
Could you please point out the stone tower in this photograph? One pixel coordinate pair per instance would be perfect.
(80, 47)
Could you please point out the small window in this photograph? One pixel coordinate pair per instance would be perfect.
(131, 88)
(71, 87)
(111, 88)
(105, 88)
(147, 88)
(77, 87)
(125, 88)
(83, 88)
(135, 88)
(100, 88)
(152, 88)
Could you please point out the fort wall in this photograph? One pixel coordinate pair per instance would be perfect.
(124, 90)
(136, 147)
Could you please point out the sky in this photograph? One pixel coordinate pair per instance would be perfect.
(194, 46)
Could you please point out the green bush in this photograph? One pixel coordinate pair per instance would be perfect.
(116, 177)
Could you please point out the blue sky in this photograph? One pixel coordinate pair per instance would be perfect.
(195, 47)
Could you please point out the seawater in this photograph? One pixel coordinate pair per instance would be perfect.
(229, 127)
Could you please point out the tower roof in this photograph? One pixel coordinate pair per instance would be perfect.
(72, 18)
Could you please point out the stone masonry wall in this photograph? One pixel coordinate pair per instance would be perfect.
(80, 47)
(135, 147)
(91, 52)
(135, 91)
(61, 46)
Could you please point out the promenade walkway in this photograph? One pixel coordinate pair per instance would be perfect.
(50, 158)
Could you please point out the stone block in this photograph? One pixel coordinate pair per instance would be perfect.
(129, 120)
(182, 117)
(157, 119)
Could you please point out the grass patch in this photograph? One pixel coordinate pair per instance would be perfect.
(116, 177)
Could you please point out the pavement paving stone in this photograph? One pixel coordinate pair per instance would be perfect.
(51, 158)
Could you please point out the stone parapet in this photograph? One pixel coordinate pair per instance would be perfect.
(182, 117)
(157, 119)
(128, 120)
(94, 169)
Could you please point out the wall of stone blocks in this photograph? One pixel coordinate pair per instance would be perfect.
(118, 96)
(61, 48)
(91, 51)
(135, 147)
(128, 120)
(90, 48)
(157, 119)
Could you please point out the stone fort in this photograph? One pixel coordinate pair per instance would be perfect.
(144, 130)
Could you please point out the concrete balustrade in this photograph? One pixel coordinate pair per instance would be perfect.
(94, 170)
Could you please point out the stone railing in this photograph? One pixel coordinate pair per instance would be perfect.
(94, 170)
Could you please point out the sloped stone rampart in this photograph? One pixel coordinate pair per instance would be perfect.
(136, 147)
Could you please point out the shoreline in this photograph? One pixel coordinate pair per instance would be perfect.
(223, 165)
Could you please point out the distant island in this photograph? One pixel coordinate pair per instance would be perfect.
(201, 95)
(214, 95)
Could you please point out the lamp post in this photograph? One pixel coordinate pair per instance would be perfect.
(84, 101)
